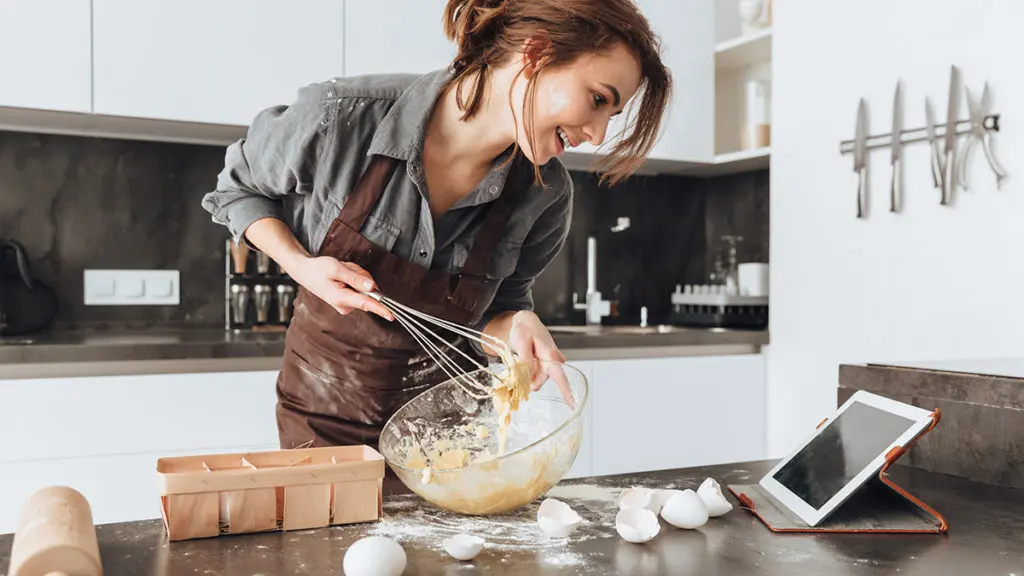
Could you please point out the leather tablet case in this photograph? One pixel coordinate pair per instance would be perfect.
(879, 506)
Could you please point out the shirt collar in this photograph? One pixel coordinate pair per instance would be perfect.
(401, 133)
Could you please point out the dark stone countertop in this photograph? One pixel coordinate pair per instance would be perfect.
(984, 538)
(100, 352)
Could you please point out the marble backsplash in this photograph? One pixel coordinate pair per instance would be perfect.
(80, 202)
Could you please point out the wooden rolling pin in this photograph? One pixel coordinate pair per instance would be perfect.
(55, 536)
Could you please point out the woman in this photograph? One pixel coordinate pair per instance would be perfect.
(442, 191)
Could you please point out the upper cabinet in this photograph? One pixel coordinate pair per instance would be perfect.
(687, 32)
(44, 55)
(395, 36)
(197, 71)
(211, 62)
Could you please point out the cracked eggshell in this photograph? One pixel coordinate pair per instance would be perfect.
(662, 496)
(711, 493)
(374, 556)
(637, 525)
(685, 510)
(557, 519)
(463, 546)
(639, 497)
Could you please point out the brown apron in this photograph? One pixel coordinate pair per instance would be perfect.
(343, 376)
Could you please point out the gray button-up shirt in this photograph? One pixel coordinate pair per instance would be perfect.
(298, 163)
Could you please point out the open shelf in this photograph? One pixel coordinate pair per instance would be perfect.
(744, 51)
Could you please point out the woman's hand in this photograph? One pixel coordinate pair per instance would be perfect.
(530, 339)
(340, 284)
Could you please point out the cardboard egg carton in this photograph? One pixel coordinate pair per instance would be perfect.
(217, 494)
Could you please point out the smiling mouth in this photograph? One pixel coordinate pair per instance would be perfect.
(563, 138)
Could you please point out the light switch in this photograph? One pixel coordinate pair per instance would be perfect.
(129, 287)
(99, 286)
(159, 287)
(132, 287)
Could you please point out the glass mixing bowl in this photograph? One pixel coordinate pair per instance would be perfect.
(456, 428)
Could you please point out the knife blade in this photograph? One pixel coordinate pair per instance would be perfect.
(895, 191)
(953, 110)
(933, 152)
(860, 157)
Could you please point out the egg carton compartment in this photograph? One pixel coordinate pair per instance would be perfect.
(217, 494)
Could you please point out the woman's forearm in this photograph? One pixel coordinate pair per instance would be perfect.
(275, 239)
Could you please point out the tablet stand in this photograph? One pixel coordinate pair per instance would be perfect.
(878, 506)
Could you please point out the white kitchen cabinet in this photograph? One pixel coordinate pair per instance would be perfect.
(395, 36)
(583, 465)
(686, 29)
(211, 62)
(103, 435)
(44, 55)
(660, 413)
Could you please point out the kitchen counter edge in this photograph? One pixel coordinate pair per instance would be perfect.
(108, 353)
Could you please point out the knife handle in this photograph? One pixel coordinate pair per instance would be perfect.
(862, 188)
(949, 177)
(895, 191)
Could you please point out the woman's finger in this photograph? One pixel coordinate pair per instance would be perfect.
(558, 375)
(347, 298)
(358, 279)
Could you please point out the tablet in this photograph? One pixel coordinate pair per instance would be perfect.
(843, 454)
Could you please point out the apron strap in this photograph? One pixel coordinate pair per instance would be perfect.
(368, 191)
(493, 227)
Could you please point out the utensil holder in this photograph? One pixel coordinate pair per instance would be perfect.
(269, 295)
(219, 494)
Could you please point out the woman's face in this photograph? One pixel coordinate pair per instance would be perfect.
(574, 102)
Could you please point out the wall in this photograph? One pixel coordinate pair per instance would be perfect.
(78, 203)
(934, 282)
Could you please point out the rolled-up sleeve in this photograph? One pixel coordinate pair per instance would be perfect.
(546, 238)
(277, 157)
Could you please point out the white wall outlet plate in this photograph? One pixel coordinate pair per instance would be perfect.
(132, 288)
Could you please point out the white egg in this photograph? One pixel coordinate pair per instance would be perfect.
(662, 496)
(685, 510)
(711, 493)
(638, 497)
(463, 546)
(557, 519)
(374, 556)
(637, 525)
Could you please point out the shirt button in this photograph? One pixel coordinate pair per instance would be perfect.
(414, 167)
(423, 253)
(493, 189)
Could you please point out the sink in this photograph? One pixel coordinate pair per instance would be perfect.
(595, 330)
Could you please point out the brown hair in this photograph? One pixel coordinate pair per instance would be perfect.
(489, 32)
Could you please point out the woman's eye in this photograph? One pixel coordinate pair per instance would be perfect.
(599, 99)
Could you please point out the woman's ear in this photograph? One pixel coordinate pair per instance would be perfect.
(535, 53)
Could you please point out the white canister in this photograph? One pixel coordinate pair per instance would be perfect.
(753, 277)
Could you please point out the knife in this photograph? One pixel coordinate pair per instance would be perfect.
(897, 148)
(860, 158)
(948, 183)
(933, 152)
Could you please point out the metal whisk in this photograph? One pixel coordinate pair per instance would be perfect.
(416, 323)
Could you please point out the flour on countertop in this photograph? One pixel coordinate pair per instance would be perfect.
(408, 519)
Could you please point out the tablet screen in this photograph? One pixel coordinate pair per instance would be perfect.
(842, 450)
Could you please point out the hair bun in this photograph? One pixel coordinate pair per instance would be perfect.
(470, 23)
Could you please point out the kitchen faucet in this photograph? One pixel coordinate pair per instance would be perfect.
(596, 307)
